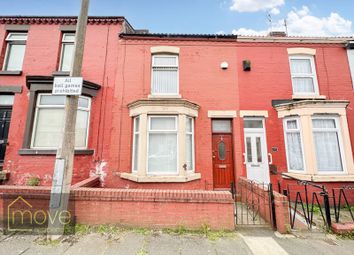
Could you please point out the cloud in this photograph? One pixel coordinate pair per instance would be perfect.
(255, 5)
(275, 11)
(301, 22)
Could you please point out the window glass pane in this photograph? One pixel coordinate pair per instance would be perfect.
(67, 57)
(249, 149)
(136, 152)
(52, 100)
(324, 123)
(17, 37)
(48, 127)
(162, 155)
(69, 37)
(6, 99)
(163, 123)
(165, 61)
(136, 124)
(84, 102)
(164, 81)
(189, 126)
(221, 150)
(15, 56)
(327, 151)
(301, 66)
(294, 151)
(81, 128)
(189, 152)
(253, 123)
(303, 85)
(221, 126)
(259, 149)
(291, 124)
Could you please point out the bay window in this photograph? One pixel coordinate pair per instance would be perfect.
(327, 144)
(293, 143)
(135, 144)
(49, 121)
(15, 51)
(162, 141)
(317, 140)
(164, 79)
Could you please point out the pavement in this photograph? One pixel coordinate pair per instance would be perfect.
(252, 241)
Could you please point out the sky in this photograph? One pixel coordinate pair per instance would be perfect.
(246, 17)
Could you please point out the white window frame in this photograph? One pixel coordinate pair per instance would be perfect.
(135, 150)
(38, 106)
(340, 141)
(64, 42)
(313, 75)
(298, 130)
(193, 149)
(10, 42)
(152, 73)
(149, 131)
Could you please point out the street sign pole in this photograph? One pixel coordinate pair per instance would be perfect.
(64, 162)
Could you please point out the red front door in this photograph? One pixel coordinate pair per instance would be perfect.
(223, 166)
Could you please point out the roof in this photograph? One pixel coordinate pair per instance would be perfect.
(143, 35)
(65, 20)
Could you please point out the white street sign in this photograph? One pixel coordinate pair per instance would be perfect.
(67, 86)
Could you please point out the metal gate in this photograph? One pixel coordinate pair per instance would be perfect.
(254, 203)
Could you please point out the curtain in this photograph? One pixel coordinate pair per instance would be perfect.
(301, 66)
(294, 149)
(327, 151)
(189, 151)
(162, 155)
(303, 85)
(165, 80)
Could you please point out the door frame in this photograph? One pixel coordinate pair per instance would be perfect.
(232, 149)
(255, 131)
(6, 107)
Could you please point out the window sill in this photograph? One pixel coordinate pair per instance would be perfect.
(137, 178)
(164, 96)
(322, 178)
(11, 73)
(308, 97)
(52, 152)
(60, 73)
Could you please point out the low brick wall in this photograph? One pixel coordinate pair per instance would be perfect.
(137, 207)
(281, 204)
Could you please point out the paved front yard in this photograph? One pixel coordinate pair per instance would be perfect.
(143, 242)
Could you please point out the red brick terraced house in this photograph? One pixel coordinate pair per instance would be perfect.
(175, 111)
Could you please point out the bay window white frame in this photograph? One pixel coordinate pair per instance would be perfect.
(297, 130)
(155, 131)
(9, 43)
(39, 106)
(153, 65)
(313, 75)
(337, 129)
(193, 149)
(136, 135)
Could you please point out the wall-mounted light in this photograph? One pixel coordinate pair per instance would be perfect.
(224, 65)
(246, 65)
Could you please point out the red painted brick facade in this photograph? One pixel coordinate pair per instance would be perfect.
(122, 66)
